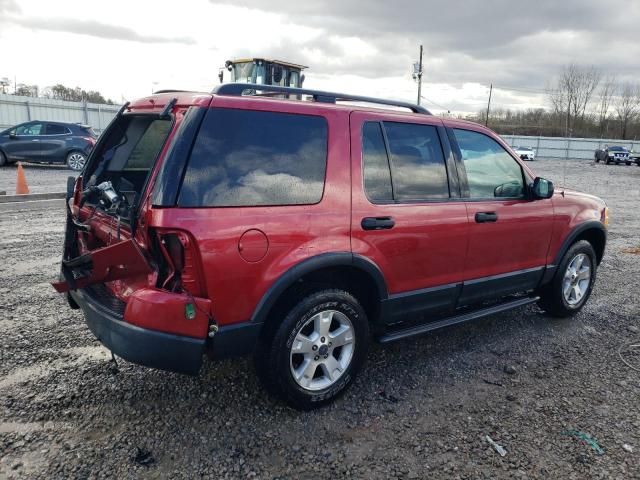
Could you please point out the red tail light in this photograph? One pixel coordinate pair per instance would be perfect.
(91, 140)
(183, 265)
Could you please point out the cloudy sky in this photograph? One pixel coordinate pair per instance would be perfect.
(127, 48)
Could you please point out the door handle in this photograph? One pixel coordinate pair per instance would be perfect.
(377, 223)
(35, 140)
(485, 217)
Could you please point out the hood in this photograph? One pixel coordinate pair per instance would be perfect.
(587, 197)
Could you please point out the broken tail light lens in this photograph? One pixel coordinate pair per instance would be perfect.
(183, 272)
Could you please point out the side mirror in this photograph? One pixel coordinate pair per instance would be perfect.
(12, 134)
(542, 188)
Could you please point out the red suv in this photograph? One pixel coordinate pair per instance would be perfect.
(298, 228)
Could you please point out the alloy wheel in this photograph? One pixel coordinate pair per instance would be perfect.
(577, 277)
(76, 161)
(322, 350)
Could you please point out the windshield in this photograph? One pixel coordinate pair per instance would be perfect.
(243, 72)
(617, 149)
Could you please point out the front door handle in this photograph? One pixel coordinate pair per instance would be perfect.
(485, 217)
(377, 223)
(35, 140)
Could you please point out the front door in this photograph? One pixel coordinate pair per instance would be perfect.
(24, 143)
(407, 214)
(509, 233)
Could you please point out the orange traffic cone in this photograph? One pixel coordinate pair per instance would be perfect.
(21, 183)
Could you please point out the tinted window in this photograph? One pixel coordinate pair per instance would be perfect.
(377, 177)
(53, 129)
(148, 147)
(245, 158)
(29, 129)
(417, 162)
(491, 171)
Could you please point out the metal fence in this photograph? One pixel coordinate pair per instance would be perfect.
(564, 147)
(15, 109)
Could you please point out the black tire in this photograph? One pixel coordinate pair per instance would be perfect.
(552, 298)
(76, 160)
(274, 359)
(3, 159)
(627, 163)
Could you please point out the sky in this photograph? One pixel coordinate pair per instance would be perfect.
(127, 49)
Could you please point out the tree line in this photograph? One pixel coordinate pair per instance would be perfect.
(62, 92)
(583, 102)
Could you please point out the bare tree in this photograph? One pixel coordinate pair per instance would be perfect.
(605, 95)
(628, 105)
(573, 92)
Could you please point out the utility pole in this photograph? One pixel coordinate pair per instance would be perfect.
(419, 74)
(486, 120)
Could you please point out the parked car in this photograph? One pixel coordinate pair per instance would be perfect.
(613, 154)
(525, 153)
(47, 142)
(297, 230)
(635, 157)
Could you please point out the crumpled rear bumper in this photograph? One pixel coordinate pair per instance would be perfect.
(146, 347)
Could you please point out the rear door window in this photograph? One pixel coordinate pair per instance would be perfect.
(54, 129)
(410, 167)
(252, 158)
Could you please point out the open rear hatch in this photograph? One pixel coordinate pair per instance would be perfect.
(102, 243)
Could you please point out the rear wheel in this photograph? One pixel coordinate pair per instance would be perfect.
(76, 160)
(572, 283)
(316, 351)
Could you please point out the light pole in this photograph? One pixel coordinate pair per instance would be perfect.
(417, 74)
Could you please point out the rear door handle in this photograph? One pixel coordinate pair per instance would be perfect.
(485, 217)
(377, 223)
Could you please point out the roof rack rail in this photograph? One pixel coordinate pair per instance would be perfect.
(171, 90)
(236, 89)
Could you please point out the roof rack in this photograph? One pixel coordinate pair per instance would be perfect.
(171, 90)
(236, 89)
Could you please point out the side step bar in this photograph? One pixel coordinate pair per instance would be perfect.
(420, 329)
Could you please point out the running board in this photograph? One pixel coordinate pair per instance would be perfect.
(420, 329)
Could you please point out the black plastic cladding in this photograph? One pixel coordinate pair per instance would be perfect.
(236, 89)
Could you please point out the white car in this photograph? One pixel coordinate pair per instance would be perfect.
(525, 153)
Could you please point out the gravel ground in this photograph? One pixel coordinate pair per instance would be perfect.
(421, 408)
(40, 178)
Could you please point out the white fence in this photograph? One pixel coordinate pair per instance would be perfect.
(564, 148)
(16, 109)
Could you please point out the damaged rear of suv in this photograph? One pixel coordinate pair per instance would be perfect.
(139, 286)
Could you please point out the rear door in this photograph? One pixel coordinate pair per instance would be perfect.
(407, 215)
(509, 233)
(53, 144)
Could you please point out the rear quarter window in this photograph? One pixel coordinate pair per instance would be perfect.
(253, 158)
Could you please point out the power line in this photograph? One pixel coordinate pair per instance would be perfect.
(436, 104)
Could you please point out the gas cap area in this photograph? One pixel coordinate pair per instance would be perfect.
(253, 245)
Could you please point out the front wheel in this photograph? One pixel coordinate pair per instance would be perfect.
(316, 351)
(572, 283)
(3, 159)
(76, 160)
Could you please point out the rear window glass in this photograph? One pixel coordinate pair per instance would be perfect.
(251, 158)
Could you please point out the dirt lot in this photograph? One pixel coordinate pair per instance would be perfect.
(421, 408)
